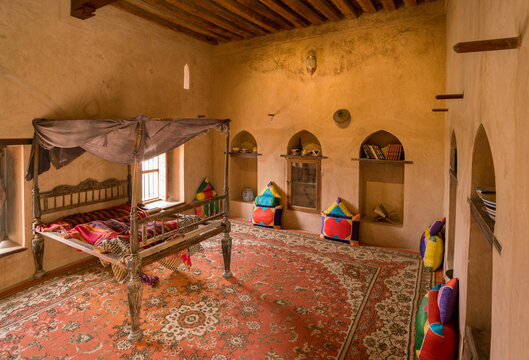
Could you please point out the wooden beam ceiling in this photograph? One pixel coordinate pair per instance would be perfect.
(220, 21)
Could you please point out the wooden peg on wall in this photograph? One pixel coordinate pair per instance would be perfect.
(449, 96)
(439, 110)
(488, 45)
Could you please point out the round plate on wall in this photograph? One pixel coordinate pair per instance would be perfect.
(341, 116)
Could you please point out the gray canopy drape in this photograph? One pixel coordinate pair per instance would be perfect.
(62, 141)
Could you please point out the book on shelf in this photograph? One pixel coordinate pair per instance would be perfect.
(379, 152)
(373, 152)
(394, 151)
(367, 152)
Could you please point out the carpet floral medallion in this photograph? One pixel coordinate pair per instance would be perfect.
(293, 296)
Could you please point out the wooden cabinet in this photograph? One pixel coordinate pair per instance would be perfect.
(304, 183)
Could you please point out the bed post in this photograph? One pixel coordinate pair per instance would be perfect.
(37, 244)
(226, 240)
(135, 287)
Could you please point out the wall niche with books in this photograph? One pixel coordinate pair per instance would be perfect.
(243, 167)
(382, 159)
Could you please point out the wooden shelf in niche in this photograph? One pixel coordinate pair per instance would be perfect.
(244, 155)
(385, 162)
(303, 157)
(244, 167)
(381, 180)
(485, 223)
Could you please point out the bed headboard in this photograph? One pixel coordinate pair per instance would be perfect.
(87, 192)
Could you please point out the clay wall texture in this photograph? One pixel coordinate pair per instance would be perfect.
(385, 68)
(496, 93)
(113, 65)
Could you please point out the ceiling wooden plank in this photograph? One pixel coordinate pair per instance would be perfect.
(248, 14)
(327, 10)
(229, 16)
(266, 12)
(367, 6)
(159, 11)
(163, 22)
(388, 4)
(216, 20)
(303, 10)
(345, 8)
(280, 8)
(408, 3)
(199, 21)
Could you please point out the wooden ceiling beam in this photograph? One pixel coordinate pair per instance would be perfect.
(280, 8)
(163, 22)
(266, 12)
(304, 11)
(195, 19)
(367, 6)
(345, 8)
(240, 22)
(248, 14)
(216, 20)
(327, 10)
(154, 7)
(388, 4)
(409, 3)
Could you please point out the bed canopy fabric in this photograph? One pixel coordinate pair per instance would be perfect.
(62, 141)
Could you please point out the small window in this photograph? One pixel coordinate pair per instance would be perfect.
(186, 77)
(153, 178)
(11, 198)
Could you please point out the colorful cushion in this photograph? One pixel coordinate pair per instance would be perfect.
(421, 321)
(270, 190)
(266, 208)
(339, 224)
(266, 200)
(267, 216)
(447, 300)
(206, 191)
(440, 341)
(437, 226)
(432, 250)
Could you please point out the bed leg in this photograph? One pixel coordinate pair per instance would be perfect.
(37, 246)
(226, 253)
(134, 292)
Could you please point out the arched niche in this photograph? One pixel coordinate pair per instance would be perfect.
(306, 140)
(304, 155)
(243, 165)
(381, 181)
(244, 142)
(479, 276)
(451, 225)
(381, 139)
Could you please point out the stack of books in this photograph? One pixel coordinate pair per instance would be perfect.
(394, 152)
(373, 152)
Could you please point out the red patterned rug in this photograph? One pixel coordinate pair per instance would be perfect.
(293, 296)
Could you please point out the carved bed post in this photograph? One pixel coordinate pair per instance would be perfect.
(37, 244)
(135, 287)
(226, 240)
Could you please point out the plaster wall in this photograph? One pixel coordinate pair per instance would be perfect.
(495, 90)
(114, 65)
(385, 68)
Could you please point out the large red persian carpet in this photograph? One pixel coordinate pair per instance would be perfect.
(293, 296)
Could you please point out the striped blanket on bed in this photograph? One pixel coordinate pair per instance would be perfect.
(109, 231)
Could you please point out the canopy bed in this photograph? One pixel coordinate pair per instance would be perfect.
(150, 237)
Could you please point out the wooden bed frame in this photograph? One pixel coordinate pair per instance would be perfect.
(191, 230)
